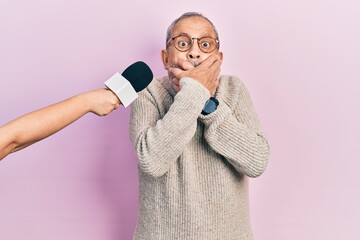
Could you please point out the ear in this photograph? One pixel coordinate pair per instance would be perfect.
(164, 57)
(220, 55)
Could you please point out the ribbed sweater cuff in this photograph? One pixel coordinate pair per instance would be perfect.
(193, 92)
(218, 116)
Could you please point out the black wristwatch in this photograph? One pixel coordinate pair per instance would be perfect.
(210, 106)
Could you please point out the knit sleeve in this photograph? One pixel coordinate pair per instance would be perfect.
(237, 135)
(160, 138)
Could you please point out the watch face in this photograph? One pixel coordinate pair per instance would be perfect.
(210, 106)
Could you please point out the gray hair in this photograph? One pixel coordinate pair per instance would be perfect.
(186, 15)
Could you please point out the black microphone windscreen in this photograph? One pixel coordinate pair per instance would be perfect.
(139, 75)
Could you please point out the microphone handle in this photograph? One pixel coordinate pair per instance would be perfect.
(122, 89)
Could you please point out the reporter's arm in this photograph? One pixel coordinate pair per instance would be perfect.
(44, 122)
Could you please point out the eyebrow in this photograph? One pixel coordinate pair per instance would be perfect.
(205, 35)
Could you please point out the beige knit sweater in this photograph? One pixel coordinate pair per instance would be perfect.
(194, 169)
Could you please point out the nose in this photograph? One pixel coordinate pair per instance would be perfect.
(194, 52)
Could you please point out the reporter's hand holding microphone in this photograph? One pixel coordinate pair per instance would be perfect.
(123, 88)
(39, 124)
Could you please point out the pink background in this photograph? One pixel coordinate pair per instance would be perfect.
(299, 59)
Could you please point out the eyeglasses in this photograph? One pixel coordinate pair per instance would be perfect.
(184, 42)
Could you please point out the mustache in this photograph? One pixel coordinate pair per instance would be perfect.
(195, 62)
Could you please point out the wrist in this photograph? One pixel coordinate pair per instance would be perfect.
(210, 106)
(87, 101)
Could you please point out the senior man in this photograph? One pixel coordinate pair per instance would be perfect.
(197, 139)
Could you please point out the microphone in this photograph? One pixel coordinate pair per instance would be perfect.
(134, 78)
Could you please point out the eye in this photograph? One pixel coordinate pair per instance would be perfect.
(182, 44)
(205, 44)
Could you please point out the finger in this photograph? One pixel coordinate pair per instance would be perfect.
(177, 72)
(217, 73)
(176, 81)
(210, 61)
(184, 64)
(215, 67)
(216, 64)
